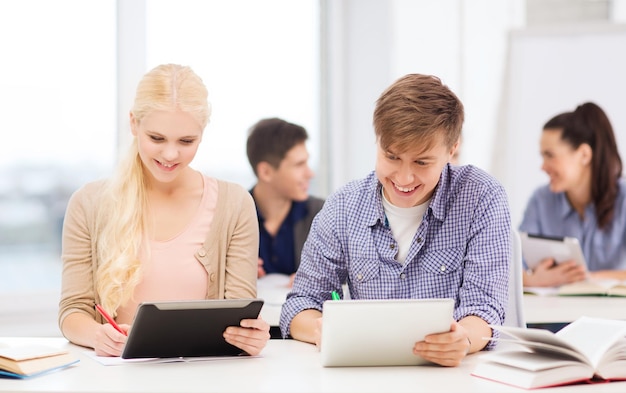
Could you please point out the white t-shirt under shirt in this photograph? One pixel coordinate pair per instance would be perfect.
(404, 222)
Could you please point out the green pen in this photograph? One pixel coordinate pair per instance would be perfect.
(335, 295)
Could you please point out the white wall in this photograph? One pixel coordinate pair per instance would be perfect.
(357, 44)
(371, 43)
(551, 71)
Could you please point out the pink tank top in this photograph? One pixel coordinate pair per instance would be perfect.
(172, 271)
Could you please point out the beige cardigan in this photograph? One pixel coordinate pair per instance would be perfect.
(229, 254)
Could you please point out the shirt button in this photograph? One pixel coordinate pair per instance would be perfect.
(443, 268)
(359, 277)
(419, 239)
(392, 246)
(212, 277)
(402, 276)
(202, 252)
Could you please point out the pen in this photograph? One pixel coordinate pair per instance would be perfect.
(335, 295)
(109, 319)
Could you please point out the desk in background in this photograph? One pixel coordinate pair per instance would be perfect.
(273, 289)
(285, 366)
(565, 309)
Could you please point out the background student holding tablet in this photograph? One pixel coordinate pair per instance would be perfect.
(158, 230)
(585, 199)
(416, 227)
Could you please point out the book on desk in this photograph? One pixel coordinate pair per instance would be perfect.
(33, 360)
(587, 350)
(606, 287)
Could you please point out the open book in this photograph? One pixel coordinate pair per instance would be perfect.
(588, 349)
(30, 361)
(583, 288)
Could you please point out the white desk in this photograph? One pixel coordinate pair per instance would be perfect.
(555, 309)
(273, 289)
(285, 366)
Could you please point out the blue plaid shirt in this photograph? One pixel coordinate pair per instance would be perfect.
(461, 250)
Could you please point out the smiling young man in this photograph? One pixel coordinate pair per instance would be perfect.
(278, 155)
(416, 227)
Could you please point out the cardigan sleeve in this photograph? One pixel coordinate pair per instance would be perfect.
(242, 252)
(77, 280)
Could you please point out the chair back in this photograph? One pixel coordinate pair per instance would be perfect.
(515, 309)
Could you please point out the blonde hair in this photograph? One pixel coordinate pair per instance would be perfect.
(122, 224)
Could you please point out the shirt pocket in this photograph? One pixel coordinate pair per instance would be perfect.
(365, 278)
(442, 268)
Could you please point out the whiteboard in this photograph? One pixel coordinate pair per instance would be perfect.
(550, 71)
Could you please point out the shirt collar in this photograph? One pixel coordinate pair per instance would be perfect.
(438, 201)
(566, 209)
(298, 210)
(377, 214)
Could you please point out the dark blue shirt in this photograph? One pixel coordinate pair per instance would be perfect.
(278, 252)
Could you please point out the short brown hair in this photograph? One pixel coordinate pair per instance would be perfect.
(415, 110)
(269, 140)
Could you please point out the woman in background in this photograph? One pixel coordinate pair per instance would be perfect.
(585, 198)
(158, 230)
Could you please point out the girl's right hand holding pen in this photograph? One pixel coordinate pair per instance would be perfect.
(108, 341)
(110, 337)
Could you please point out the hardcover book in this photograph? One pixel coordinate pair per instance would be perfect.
(587, 350)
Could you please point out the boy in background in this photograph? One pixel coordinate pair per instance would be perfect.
(279, 158)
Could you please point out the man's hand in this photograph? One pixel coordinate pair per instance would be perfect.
(261, 271)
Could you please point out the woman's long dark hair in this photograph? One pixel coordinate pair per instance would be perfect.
(589, 124)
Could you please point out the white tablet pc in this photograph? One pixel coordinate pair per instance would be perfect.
(187, 328)
(536, 248)
(380, 332)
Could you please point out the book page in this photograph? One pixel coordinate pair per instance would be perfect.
(20, 353)
(588, 287)
(548, 350)
(542, 336)
(542, 291)
(619, 289)
(593, 336)
(532, 361)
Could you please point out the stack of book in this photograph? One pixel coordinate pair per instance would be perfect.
(30, 361)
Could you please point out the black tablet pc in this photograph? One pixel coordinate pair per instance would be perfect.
(187, 328)
(536, 248)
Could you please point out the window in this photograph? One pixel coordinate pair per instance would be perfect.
(57, 91)
(60, 129)
(258, 59)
